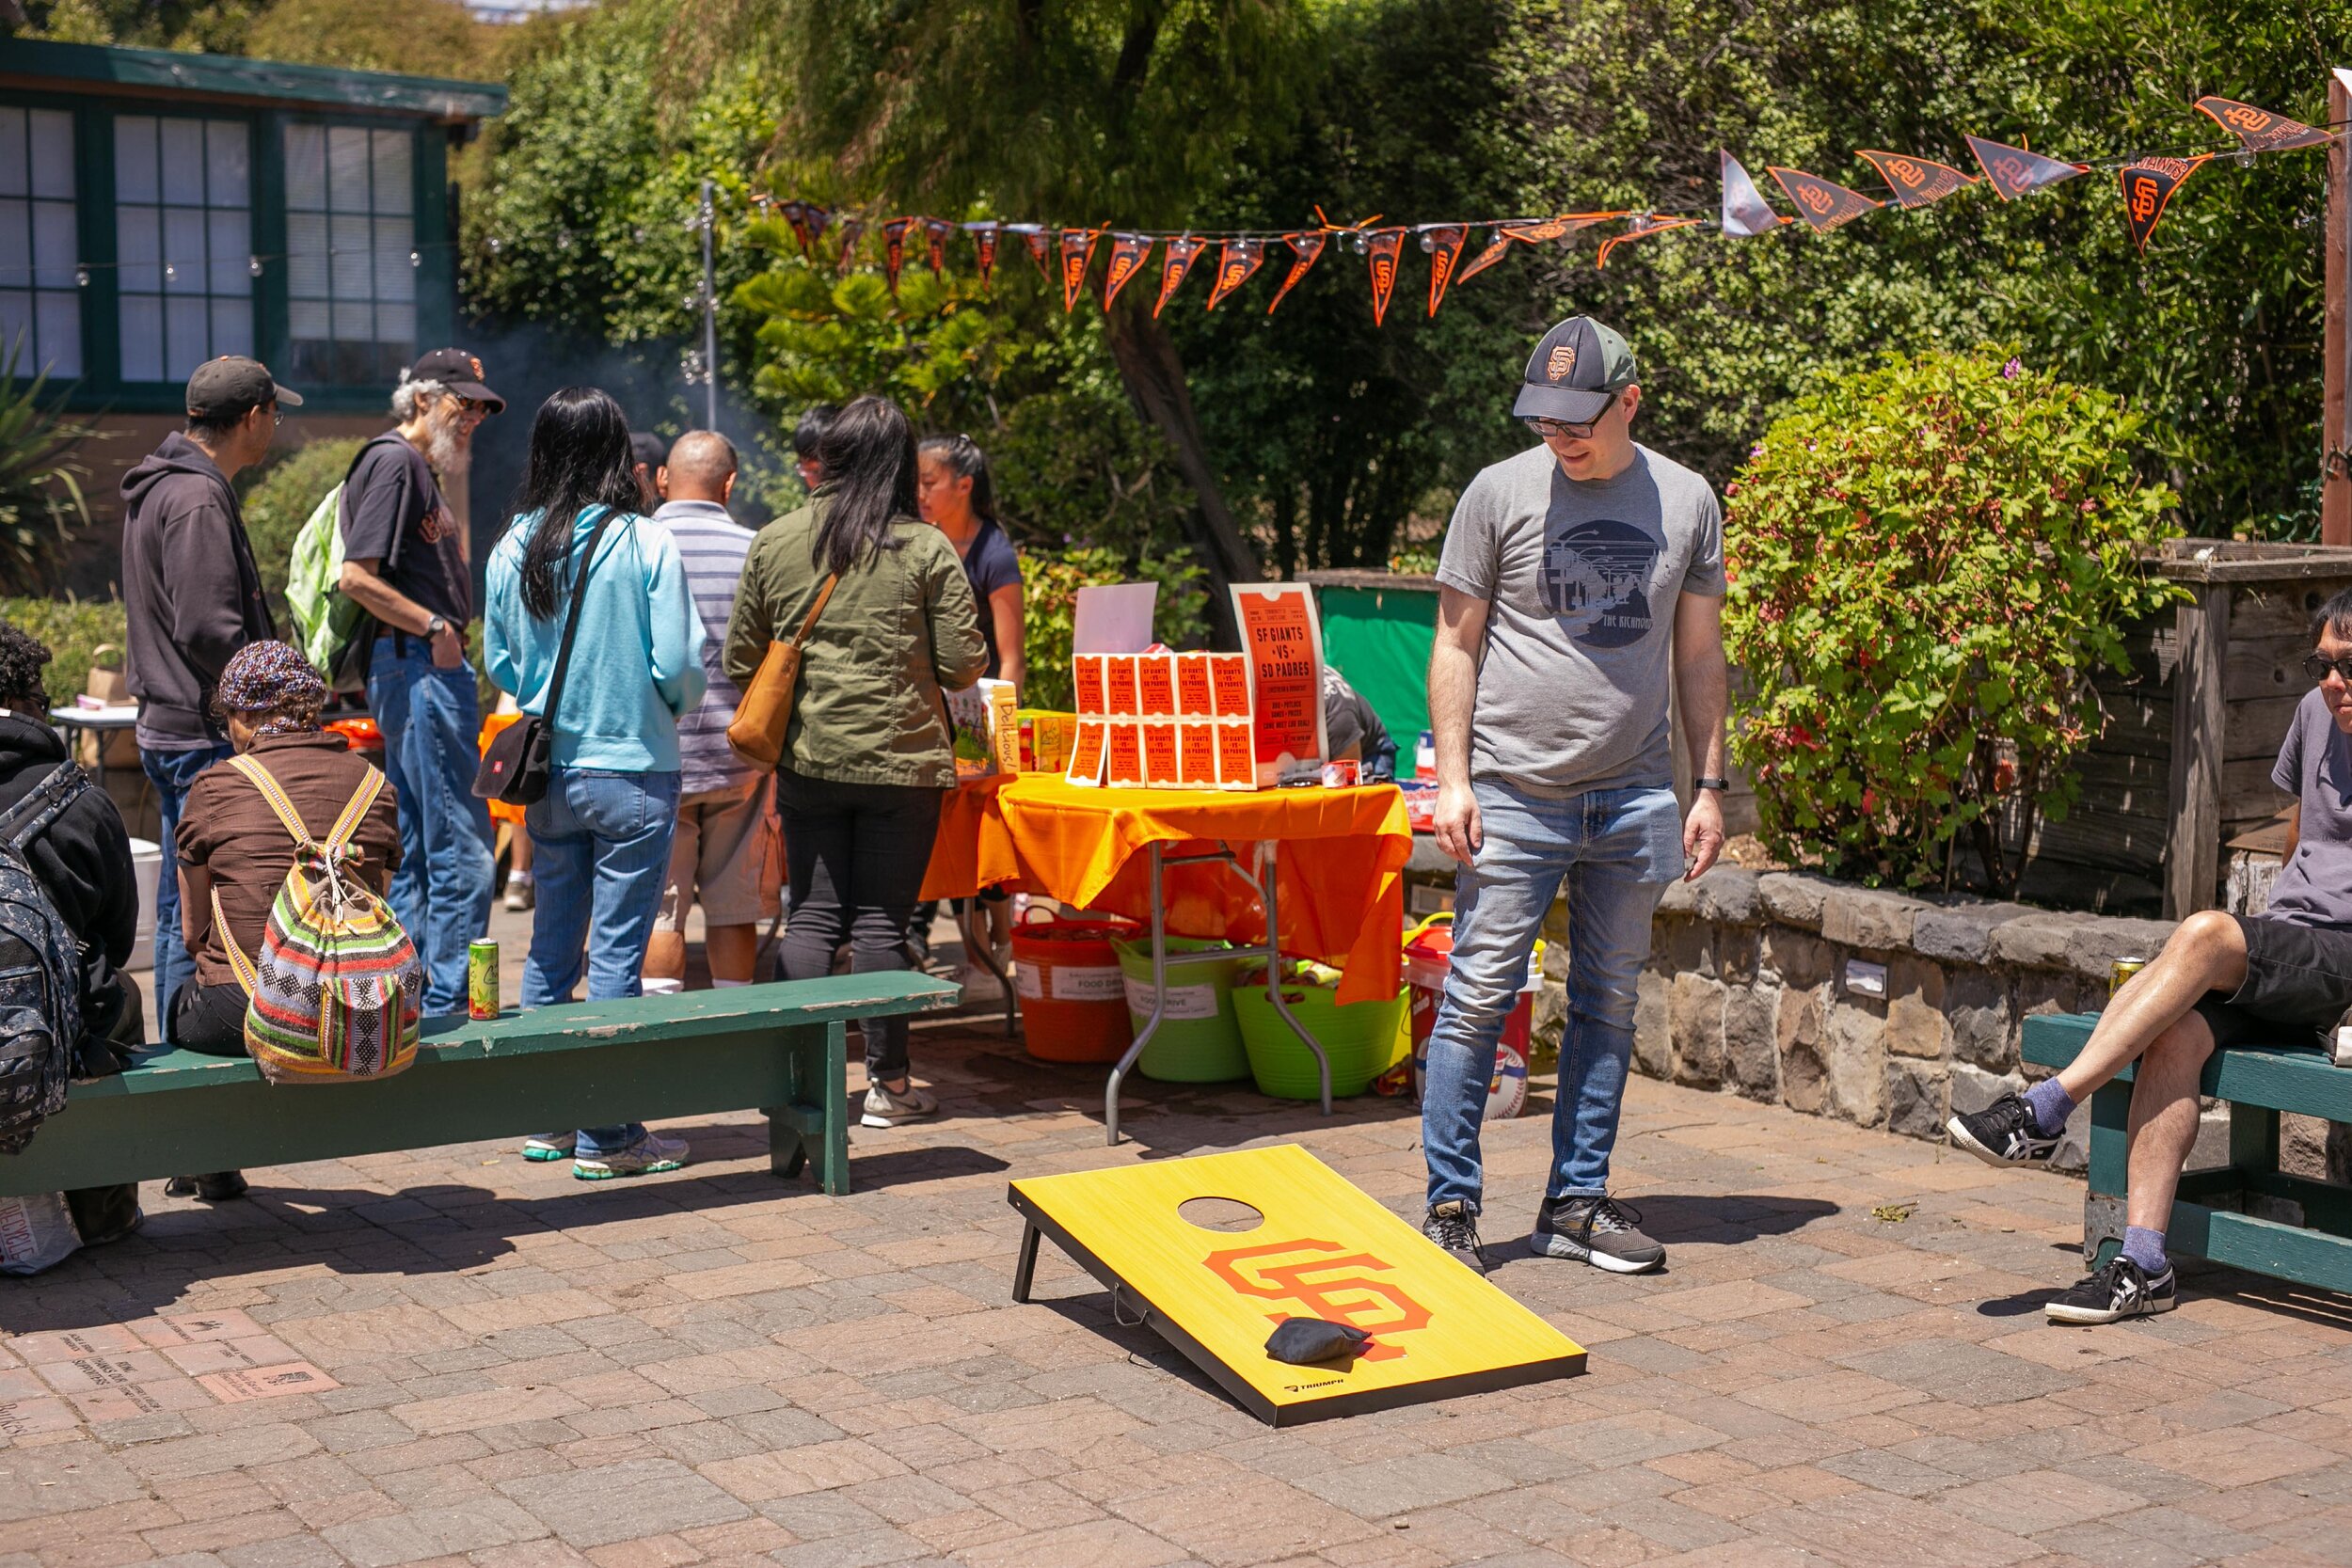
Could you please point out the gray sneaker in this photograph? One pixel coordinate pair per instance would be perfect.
(1455, 1227)
(1596, 1230)
(649, 1154)
(884, 1109)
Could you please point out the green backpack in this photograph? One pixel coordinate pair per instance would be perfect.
(332, 630)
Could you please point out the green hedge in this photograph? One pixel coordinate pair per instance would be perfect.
(71, 629)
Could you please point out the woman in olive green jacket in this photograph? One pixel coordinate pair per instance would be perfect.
(868, 752)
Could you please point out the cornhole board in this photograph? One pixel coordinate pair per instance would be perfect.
(1324, 1249)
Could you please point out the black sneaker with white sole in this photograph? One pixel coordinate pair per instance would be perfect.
(1455, 1227)
(2121, 1290)
(1596, 1230)
(2003, 1134)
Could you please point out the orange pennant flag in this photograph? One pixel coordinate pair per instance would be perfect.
(2012, 170)
(851, 230)
(1643, 225)
(1821, 202)
(808, 222)
(1038, 244)
(2148, 187)
(1444, 244)
(1241, 259)
(935, 233)
(1128, 254)
(2259, 129)
(894, 250)
(1385, 243)
(1078, 249)
(1916, 181)
(1552, 228)
(1496, 250)
(1307, 244)
(1182, 252)
(984, 245)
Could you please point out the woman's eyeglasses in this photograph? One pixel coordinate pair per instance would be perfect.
(2317, 665)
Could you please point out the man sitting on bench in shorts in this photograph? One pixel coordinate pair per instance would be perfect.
(2284, 976)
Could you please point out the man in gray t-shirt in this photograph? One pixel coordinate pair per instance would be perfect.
(1581, 582)
(2282, 977)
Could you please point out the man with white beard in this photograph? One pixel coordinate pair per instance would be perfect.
(405, 564)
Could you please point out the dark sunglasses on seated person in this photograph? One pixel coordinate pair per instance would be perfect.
(2317, 665)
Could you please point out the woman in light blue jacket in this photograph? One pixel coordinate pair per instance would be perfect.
(600, 840)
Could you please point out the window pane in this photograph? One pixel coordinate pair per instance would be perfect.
(135, 158)
(354, 323)
(230, 238)
(307, 317)
(185, 337)
(306, 258)
(182, 177)
(306, 169)
(394, 193)
(142, 337)
(233, 327)
(227, 147)
(138, 246)
(54, 245)
(16, 320)
(16, 244)
(347, 169)
(12, 152)
(183, 250)
(352, 256)
(396, 325)
(60, 331)
(395, 279)
(53, 153)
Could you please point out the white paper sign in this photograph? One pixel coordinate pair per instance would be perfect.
(1114, 617)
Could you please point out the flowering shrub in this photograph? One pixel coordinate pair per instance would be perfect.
(1929, 561)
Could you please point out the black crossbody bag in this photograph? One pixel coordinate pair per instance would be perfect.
(518, 765)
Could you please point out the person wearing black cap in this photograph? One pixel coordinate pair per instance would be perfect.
(405, 564)
(192, 597)
(1580, 581)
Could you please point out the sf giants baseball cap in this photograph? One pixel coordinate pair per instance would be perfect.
(461, 372)
(1574, 372)
(231, 386)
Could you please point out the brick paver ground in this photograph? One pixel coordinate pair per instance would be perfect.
(459, 1357)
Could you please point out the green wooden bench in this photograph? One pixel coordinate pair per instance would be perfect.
(2247, 1214)
(779, 1047)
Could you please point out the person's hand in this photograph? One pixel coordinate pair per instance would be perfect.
(1460, 833)
(449, 652)
(1702, 832)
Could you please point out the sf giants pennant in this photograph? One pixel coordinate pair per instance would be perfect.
(1182, 252)
(1497, 248)
(1552, 228)
(2148, 187)
(984, 245)
(2259, 129)
(1916, 181)
(851, 230)
(1038, 243)
(1819, 203)
(2012, 171)
(808, 222)
(935, 233)
(1386, 243)
(1078, 249)
(1241, 258)
(1746, 214)
(894, 250)
(1444, 244)
(1643, 225)
(1128, 254)
(1306, 247)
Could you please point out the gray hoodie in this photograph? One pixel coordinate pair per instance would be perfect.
(191, 592)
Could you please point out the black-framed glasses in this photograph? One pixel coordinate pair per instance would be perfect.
(1582, 432)
(2318, 665)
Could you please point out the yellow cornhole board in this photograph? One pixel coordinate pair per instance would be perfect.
(1324, 1249)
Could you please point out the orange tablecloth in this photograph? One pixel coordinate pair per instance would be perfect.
(1342, 852)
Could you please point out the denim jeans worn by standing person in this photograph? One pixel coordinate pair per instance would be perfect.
(854, 857)
(171, 773)
(1613, 851)
(600, 847)
(432, 724)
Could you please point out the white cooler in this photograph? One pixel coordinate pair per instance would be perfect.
(146, 865)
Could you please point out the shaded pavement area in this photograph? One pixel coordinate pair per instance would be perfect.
(460, 1357)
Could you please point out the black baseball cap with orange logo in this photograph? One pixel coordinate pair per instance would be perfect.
(461, 372)
(1574, 372)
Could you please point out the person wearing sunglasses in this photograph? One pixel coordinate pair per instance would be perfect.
(1581, 582)
(2282, 976)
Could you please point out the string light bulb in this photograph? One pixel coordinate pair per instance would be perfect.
(81, 277)
(253, 265)
(1357, 243)
(416, 257)
(170, 272)
(496, 245)
(1428, 243)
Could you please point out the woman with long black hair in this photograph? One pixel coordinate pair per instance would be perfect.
(867, 755)
(600, 839)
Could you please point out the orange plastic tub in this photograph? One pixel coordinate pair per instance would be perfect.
(1073, 999)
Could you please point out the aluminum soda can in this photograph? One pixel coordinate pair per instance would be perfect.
(482, 979)
(2123, 970)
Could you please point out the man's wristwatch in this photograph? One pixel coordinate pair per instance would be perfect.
(435, 627)
(1712, 784)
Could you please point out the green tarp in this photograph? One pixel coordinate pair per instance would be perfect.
(1379, 638)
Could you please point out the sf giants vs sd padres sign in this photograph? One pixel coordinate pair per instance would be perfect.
(1319, 1248)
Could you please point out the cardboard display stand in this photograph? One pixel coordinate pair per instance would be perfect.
(1282, 644)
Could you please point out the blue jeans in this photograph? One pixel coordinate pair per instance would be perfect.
(1616, 850)
(601, 854)
(172, 773)
(432, 724)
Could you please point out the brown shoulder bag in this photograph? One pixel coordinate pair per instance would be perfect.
(765, 713)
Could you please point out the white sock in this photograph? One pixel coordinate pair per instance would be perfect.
(717, 984)
(519, 878)
(661, 987)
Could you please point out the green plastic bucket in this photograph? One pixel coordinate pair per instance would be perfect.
(1362, 1039)
(1199, 1040)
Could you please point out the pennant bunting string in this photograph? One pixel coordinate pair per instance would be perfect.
(1746, 213)
(1040, 244)
(894, 250)
(1128, 254)
(851, 230)
(2259, 129)
(1444, 244)
(1241, 258)
(2148, 187)
(1384, 245)
(935, 233)
(1820, 203)
(1078, 249)
(1497, 248)
(1643, 225)
(1306, 245)
(984, 249)
(1182, 252)
(2012, 170)
(1916, 181)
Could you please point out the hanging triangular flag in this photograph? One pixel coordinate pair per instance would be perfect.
(1444, 244)
(2012, 170)
(1038, 244)
(1128, 254)
(1820, 203)
(1078, 249)
(1385, 243)
(1240, 258)
(1306, 245)
(851, 230)
(1497, 248)
(935, 233)
(1643, 225)
(2259, 129)
(1746, 214)
(797, 214)
(2148, 187)
(1552, 228)
(1182, 252)
(984, 246)
(894, 250)
(1916, 181)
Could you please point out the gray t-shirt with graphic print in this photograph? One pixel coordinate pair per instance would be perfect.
(2314, 887)
(1580, 578)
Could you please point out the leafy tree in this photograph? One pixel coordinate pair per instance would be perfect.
(419, 38)
(281, 499)
(40, 484)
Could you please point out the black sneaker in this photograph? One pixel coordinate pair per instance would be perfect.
(1596, 1230)
(2003, 1134)
(2121, 1290)
(1455, 1228)
(218, 1187)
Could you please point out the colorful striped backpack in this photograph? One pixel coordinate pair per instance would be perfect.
(334, 990)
